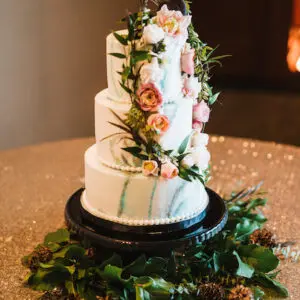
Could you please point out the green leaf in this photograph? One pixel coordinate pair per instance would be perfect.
(132, 150)
(122, 121)
(138, 56)
(121, 39)
(244, 270)
(126, 89)
(111, 135)
(136, 268)
(213, 98)
(255, 203)
(120, 127)
(136, 151)
(57, 275)
(157, 266)
(53, 246)
(245, 228)
(118, 55)
(257, 293)
(112, 273)
(182, 148)
(60, 236)
(267, 282)
(114, 260)
(142, 294)
(225, 261)
(81, 273)
(260, 258)
(62, 252)
(75, 252)
(70, 287)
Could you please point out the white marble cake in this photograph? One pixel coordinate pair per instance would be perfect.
(156, 186)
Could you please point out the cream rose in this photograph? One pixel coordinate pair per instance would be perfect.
(151, 72)
(153, 34)
(199, 139)
(150, 167)
(201, 157)
(191, 86)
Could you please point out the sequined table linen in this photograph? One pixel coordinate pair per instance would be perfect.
(36, 181)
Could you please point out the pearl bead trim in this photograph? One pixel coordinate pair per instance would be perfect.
(121, 168)
(139, 222)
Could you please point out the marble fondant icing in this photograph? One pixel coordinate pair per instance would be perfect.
(134, 199)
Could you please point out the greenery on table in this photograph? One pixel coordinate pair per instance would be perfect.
(238, 263)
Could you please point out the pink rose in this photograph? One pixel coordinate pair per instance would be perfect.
(149, 97)
(187, 60)
(169, 170)
(159, 122)
(201, 112)
(173, 22)
(197, 125)
(150, 167)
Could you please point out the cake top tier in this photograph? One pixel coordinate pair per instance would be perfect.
(159, 60)
(158, 55)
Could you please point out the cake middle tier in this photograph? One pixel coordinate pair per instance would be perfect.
(134, 199)
(110, 144)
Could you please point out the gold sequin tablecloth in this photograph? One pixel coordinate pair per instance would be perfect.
(36, 181)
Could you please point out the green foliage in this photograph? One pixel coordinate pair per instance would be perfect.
(225, 259)
(118, 55)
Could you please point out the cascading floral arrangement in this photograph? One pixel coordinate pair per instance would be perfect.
(141, 76)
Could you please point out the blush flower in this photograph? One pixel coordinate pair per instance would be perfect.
(169, 170)
(173, 22)
(197, 125)
(149, 97)
(160, 123)
(191, 87)
(150, 167)
(201, 112)
(187, 60)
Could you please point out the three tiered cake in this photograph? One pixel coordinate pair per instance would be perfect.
(150, 163)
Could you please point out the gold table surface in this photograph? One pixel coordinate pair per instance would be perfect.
(36, 181)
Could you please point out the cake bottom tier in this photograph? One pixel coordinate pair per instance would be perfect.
(134, 199)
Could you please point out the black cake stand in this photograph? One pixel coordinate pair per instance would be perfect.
(150, 240)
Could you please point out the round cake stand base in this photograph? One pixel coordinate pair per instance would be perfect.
(108, 240)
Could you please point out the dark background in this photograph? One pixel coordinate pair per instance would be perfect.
(261, 97)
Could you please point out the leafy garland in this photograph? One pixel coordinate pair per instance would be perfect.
(135, 124)
(238, 263)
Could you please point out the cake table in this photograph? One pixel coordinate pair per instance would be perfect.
(36, 181)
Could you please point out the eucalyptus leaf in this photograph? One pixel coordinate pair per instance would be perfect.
(213, 98)
(183, 146)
